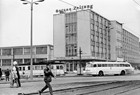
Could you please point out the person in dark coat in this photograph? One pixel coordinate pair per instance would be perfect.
(0, 73)
(7, 73)
(47, 79)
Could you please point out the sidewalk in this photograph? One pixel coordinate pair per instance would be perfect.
(36, 79)
(41, 78)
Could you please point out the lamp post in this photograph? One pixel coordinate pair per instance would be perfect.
(31, 38)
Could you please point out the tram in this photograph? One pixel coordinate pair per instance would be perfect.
(57, 69)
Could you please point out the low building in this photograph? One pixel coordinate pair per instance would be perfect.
(22, 55)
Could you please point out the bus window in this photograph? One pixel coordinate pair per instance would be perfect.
(110, 65)
(94, 65)
(57, 67)
(121, 65)
(104, 65)
(61, 67)
(28, 67)
(116, 65)
(23, 68)
(35, 68)
(19, 68)
(99, 65)
(126, 65)
(42, 68)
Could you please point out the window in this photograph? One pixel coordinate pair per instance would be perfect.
(23, 68)
(57, 67)
(18, 51)
(26, 51)
(27, 61)
(0, 51)
(94, 65)
(20, 69)
(99, 65)
(110, 65)
(6, 52)
(28, 67)
(41, 50)
(61, 67)
(6, 62)
(104, 65)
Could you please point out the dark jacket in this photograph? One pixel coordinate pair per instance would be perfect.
(18, 72)
(0, 72)
(47, 75)
(7, 73)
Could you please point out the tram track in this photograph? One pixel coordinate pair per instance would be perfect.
(128, 86)
(92, 88)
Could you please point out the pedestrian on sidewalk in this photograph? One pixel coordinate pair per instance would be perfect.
(47, 79)
(7, 73)
(0, 74)
(15, 76)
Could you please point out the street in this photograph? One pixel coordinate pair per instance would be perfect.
(81, 83)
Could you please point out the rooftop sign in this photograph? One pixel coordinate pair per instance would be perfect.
(75, 8)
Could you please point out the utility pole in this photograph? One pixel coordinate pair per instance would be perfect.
(80, 52)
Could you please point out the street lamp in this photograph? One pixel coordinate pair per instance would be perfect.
(31, 43)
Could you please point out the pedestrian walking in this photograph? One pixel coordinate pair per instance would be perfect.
(0, 74)
(47, 79)
(7, 73)
(15, 76)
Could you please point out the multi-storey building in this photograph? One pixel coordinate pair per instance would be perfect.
(78, 31)
(98, 38)
(21, 54)
(124, 45)
(130, 47)
(116, 41)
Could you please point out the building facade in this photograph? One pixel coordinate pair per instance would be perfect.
(87, 36)
(130, 47)
(82, 31)
(116, 41)
(21, 54)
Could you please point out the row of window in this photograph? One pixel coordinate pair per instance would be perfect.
(40, 67)
(21, 51)
(101, 55)
(71, 34)
(7, 62)
(98, 18)
(109, 65)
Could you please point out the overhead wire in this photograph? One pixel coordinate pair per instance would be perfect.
(89, 20)
(136, 2)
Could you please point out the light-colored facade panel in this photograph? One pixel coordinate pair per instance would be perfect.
(59, 35)
(83, 29)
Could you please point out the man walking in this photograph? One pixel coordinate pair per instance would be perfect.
(47, 79)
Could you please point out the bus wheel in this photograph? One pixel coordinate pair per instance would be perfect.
(101, 73)
(122, 72)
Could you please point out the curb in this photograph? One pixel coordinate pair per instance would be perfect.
(40, 79)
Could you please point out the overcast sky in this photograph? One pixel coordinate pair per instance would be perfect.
(15, 18)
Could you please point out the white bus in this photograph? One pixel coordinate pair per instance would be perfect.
(108, 68)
